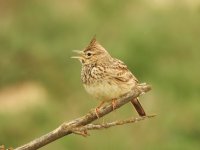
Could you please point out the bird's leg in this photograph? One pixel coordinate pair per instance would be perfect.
(97, 109)
(114, 104)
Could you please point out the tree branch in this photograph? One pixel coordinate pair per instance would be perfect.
(82, 124)
(83, 130)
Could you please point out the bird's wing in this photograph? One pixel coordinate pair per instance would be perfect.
(119, 71)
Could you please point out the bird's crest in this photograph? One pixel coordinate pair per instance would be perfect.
(94, 45)
(93, 40)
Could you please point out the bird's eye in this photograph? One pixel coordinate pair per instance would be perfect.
(89, 54)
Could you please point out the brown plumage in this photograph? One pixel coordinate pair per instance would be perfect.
(104, 77)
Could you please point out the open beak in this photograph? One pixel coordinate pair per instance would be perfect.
(80, 54)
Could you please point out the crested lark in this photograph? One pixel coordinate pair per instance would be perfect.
(104, 77)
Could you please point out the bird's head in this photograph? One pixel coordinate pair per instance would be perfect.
(93, 53)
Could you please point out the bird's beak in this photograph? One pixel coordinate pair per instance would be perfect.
(80, 55)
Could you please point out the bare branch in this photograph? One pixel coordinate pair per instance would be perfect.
(80, 123)
(83, 130)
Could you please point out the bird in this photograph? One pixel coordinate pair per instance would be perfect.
(104, 77)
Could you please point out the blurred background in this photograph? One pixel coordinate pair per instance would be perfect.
(40, 84)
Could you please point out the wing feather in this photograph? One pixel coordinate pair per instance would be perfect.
(119, 71)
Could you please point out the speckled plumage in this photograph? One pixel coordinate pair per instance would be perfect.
(107, 80)
(104, 77)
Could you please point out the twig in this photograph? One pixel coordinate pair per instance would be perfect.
(83, 130)
(68, 127)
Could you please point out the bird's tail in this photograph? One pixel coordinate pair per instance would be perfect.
(138, 107)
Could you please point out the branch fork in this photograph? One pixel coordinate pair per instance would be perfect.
(81, 125)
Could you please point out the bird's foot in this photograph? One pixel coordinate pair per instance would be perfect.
(97, 112)
(114, 104)
(97, 109)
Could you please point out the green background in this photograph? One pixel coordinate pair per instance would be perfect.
(40, 84)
